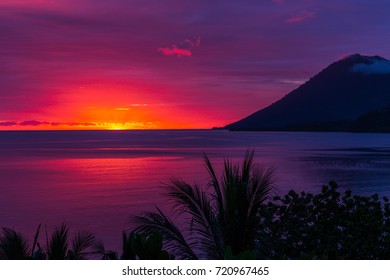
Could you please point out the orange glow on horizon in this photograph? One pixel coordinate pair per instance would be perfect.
(111, 107)
(102, 126)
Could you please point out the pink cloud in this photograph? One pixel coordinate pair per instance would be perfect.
(174, 50)
(182, 49)
(301, 17)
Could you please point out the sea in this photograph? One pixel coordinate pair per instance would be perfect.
(95, 180)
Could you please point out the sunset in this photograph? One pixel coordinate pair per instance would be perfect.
(70, 64)
(175, 130)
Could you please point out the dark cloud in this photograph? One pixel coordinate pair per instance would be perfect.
(32, 123)
(45, 123)
(8, 123)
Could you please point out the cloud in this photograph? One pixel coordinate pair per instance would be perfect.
(8, 123)
(301, 17)
(45, 123)
(33, 123)
(174, 50)
(193, 43)
(72, 124)
(182, 49)
(294, 82)
(377, 67)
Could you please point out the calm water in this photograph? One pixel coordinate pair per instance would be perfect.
(94, 180)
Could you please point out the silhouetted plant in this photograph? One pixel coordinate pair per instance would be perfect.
(81, 242)
(328, 225)
(13, 246)
(58, 244)
(136, 247)
(246, 255)
(220, 216)
(100, 250)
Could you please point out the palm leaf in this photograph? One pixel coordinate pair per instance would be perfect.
(57, 246)
(228, 216)
(81, 242)
(152, 222)
(194, 201)
(35, 240)
(99, 249)
(218, 192)
(13, 245)
(261, 185)
(247, 165)
(259, 188)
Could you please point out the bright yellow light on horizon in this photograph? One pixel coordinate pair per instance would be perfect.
(116, 128)
(127, 125)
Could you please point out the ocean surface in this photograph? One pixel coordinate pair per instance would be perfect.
(94, 180)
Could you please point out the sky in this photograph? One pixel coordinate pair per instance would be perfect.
(152, 64)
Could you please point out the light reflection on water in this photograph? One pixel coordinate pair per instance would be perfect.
(95, 180)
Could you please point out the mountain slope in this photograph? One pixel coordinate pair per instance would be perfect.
(374, 121)
(342, 92)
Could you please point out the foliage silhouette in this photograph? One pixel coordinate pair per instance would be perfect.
(58, 244)
(328, 225)
(136, 247)
(13, 246)
(222, 215)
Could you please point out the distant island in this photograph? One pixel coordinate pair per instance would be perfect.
(352, 94)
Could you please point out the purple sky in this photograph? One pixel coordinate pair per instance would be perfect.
(167, 64)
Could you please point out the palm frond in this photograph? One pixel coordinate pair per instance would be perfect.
(13, 245)
(57, 246)
(247, 165)
(218, 193)
(195, 202)
(81, 242)
(99, 249)
(152, 222)
(261, 185)
(233, 196)
(231, 182)
(245, 189)
(226, 217)
(35, 240)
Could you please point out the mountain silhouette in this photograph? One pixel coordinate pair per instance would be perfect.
(330, 101)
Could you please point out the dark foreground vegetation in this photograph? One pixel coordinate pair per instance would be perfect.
(237, 217)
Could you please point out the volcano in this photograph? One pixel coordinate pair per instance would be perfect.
(332, 100)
